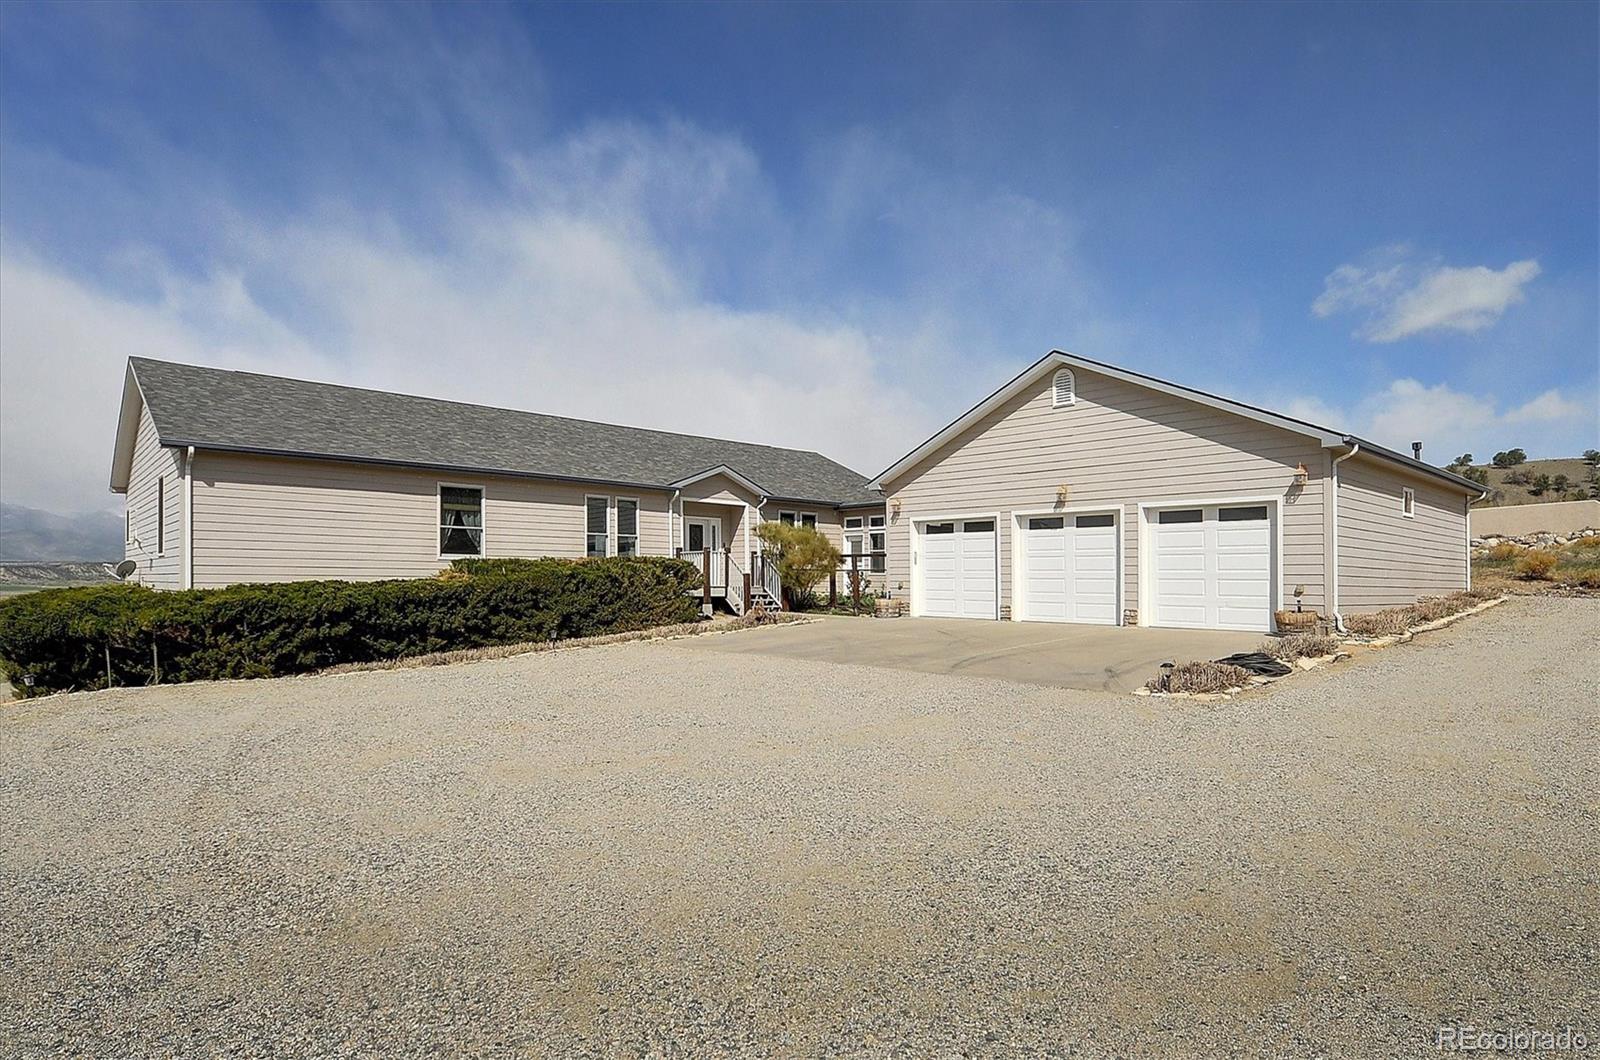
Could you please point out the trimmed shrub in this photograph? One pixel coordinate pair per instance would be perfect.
(1202, 677)
(61, 636)
(1537, 564)
(1300, 646)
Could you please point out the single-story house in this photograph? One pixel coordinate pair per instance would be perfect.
(1077, 492)
(238, 477)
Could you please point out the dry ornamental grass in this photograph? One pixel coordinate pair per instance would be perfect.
(1301, 646)
(1396, 620)
(1202, 677)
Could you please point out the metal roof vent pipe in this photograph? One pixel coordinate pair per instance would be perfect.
(1416, 450)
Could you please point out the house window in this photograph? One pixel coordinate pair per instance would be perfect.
(798, 519)
(161, 516)
(596, 525)
(808, 519)
(627, 526)
(127, 524)
(876, 542)
(853, 523)
(1063, 390)
(460, 521)
(1408, 502)
(786, 518)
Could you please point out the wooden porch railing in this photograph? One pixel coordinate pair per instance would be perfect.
(855, 568)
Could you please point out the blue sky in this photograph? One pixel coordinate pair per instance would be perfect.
(840, 226)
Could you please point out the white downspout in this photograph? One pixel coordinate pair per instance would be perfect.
(188, 519)
(674, 529)
(1333, 567)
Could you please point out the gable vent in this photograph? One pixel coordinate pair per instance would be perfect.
(1063, 390)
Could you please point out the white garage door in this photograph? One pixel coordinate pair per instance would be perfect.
(1213, 567)
(958, 569)
(1069, 568)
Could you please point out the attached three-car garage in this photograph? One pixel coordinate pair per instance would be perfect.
(1083, 492)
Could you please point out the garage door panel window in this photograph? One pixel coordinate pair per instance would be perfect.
(1257, 513)
(1084, 522)
(984, 527)
(1048, 523)
(939, 528)
(1186, 515)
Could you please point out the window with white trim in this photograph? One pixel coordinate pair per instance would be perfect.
(161, 516)
(786, 518)
(798, 519)
(808, 519)
(627, 526)
(1408, 502)
(127, 524)
(460, 520)
(876, 542)
(1063, 389)
(597, 527)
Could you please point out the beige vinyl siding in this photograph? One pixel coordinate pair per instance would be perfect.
(1385, 559)
(278, 519)
(157, 568)
(719, 488)
(1120, 445)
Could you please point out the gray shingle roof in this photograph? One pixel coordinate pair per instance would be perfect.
(210, 408)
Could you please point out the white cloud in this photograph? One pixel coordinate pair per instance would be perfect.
(1450, 421)
(1400, 298)
(575, 307)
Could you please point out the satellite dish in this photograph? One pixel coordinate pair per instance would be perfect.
(125, 568)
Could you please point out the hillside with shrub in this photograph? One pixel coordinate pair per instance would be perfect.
(1511, 478)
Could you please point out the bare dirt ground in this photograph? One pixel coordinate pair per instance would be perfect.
(651, 849)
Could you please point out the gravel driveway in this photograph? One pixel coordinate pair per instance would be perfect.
(651, 849)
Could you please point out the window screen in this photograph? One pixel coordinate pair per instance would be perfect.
(1255, 513)
(460, 521)
(1093, 520)
(1184, 515)
(595, 528)
(627, 527)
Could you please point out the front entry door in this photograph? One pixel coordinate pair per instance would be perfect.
(700, 534)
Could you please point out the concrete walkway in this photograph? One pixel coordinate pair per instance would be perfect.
(1109, 658)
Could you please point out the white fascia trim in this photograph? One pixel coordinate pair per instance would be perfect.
(720, 469)
(127, 432)
(1056, 359)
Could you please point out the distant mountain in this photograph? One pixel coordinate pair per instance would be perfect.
(28, 534)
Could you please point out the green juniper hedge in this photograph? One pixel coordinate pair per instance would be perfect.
(61, 636)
